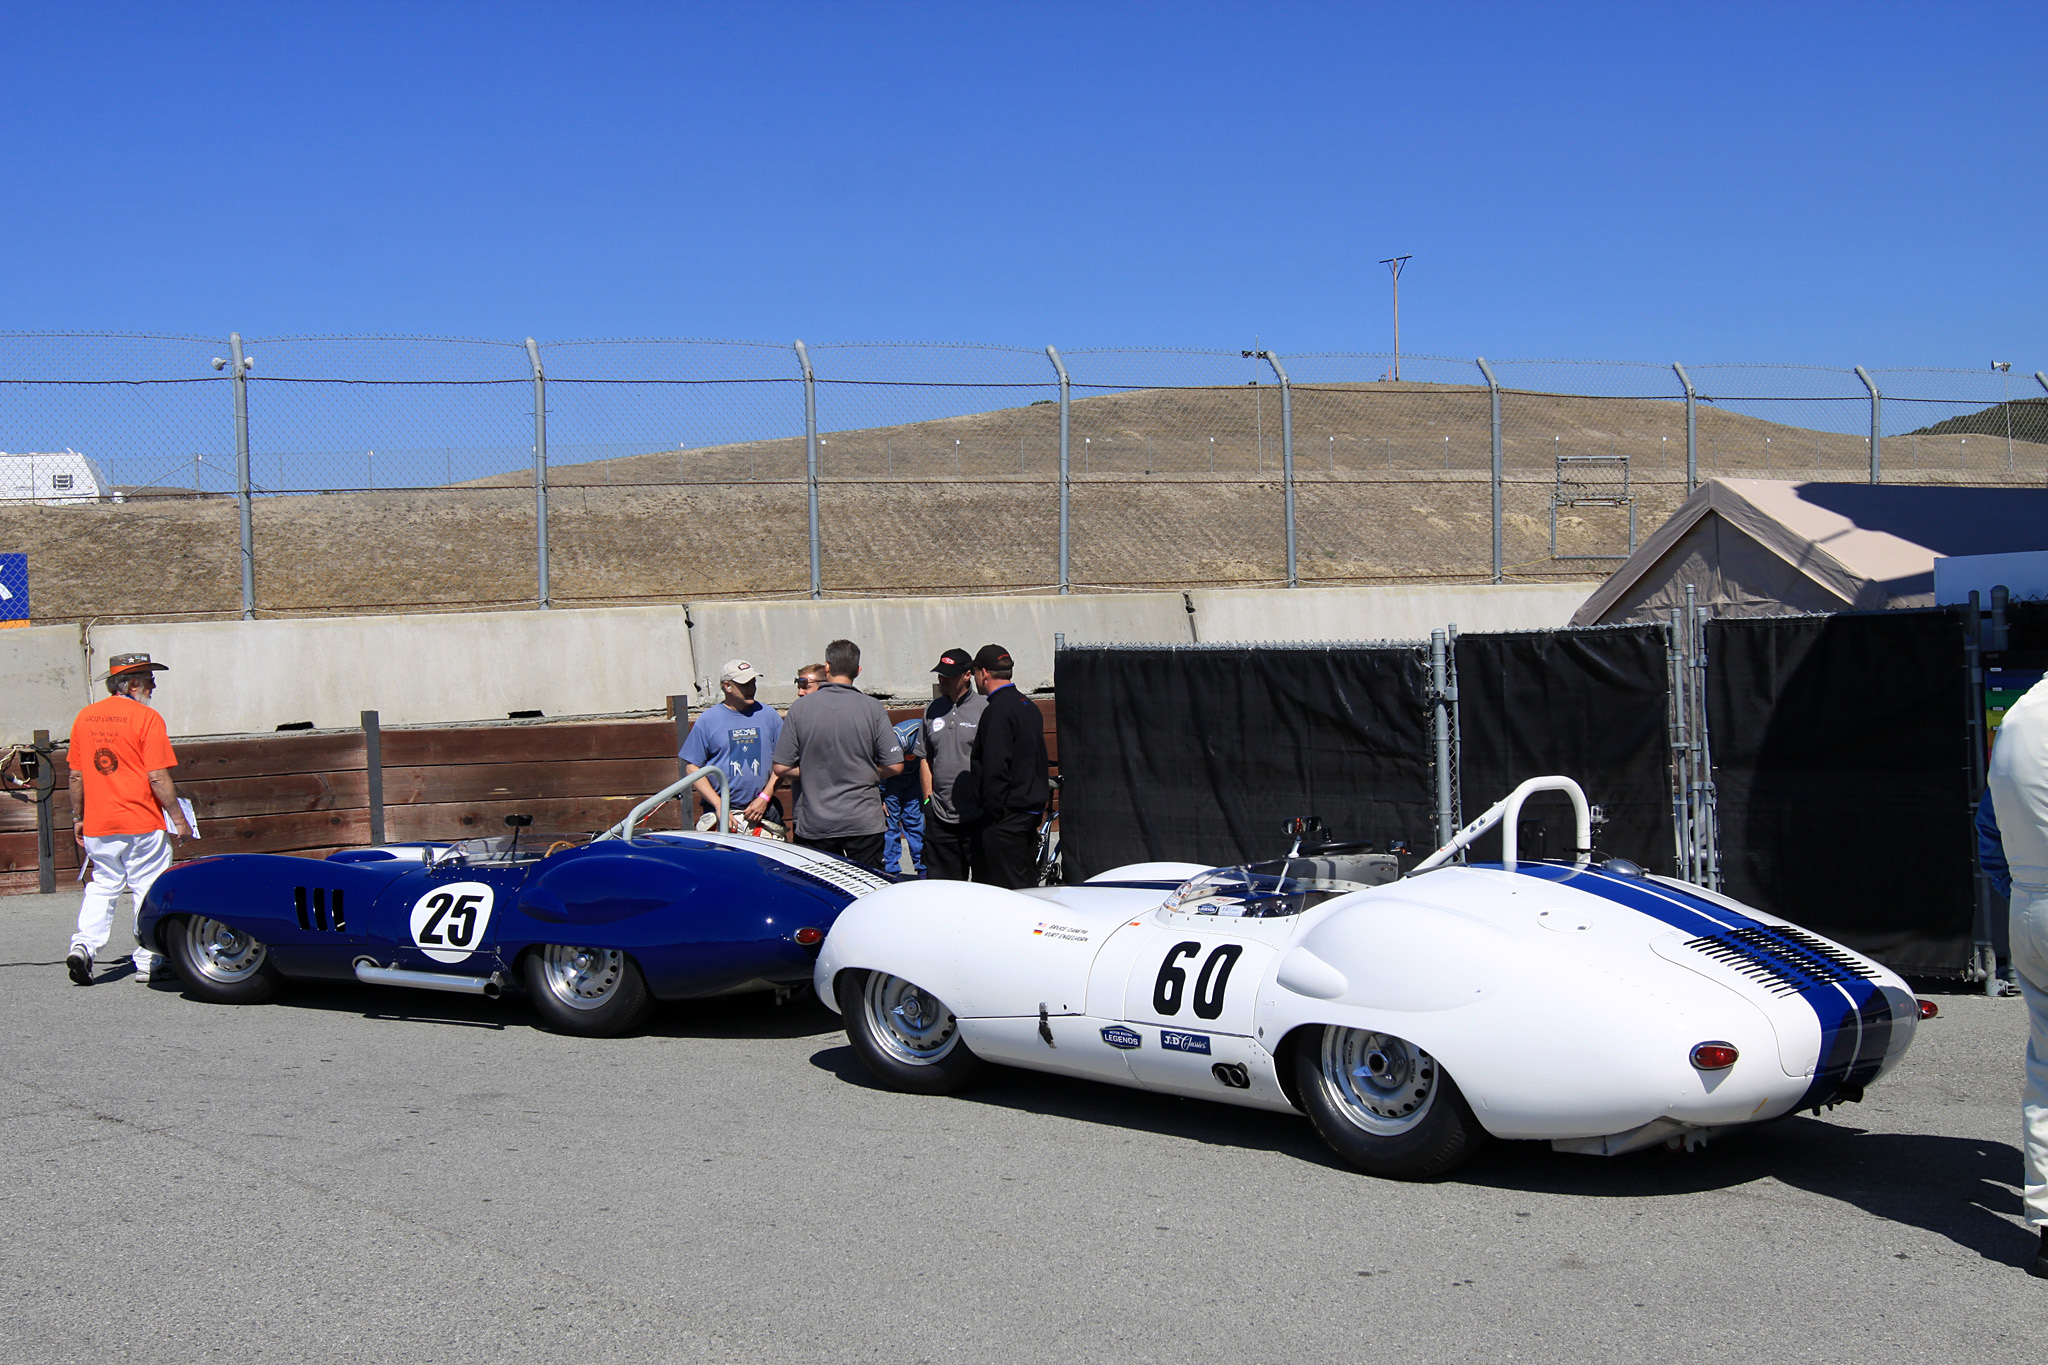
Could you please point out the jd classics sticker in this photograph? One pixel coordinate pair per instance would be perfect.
(1116, 1035)
(448, 922)
(1174, 1041)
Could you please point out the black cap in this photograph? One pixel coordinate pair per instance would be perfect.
(994, 657)
(953, 663)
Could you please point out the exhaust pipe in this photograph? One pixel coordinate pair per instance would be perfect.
(486, 986)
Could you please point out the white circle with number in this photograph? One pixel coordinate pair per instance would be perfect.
(448, 922)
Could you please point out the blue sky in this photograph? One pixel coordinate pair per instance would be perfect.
(1831, 184)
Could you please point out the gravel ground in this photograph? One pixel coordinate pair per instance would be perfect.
(369, 1175)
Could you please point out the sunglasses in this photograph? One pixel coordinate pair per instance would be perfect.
(806, 684)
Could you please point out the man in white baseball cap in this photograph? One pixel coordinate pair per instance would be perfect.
(739, 736)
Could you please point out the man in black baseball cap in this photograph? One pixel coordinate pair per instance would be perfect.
(952, 802)
(1009, 774)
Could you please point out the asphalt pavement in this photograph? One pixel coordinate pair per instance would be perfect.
(382, 1175)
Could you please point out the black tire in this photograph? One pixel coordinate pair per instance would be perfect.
(1383, 1104)
(586, 992)
(218, 963)
(925, 1057)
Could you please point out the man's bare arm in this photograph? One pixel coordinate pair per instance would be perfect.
(167, 796)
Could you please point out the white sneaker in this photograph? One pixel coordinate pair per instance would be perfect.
(151, 966)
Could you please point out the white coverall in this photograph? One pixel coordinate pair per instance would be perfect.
(2019, 797)
(126, 862)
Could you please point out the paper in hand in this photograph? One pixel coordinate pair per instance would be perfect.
(191, 820)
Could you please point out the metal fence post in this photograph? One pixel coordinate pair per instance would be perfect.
(373, 763)
(1493, 391)
(540, 472)
(240, 383)
(1876, 405)
(1692, 431)
(1286, 458)
(811, 460)
(1440, 732)
(46, 792)
(1066, 485)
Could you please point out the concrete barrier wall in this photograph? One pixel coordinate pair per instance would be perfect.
(243, 677)
(1390, 613)
(42, 681)
(240, 677)
(901, 638)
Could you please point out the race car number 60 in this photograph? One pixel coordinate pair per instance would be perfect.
(1209, 986)
(449, 922)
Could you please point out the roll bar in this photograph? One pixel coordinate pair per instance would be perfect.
(1504, 812)
(624, 829)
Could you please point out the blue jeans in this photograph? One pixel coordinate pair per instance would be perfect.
(905, 812)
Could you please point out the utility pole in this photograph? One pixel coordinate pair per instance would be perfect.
(1394, 264)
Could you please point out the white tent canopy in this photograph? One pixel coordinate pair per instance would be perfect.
(1765, 547)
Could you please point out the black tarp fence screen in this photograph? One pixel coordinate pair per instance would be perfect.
(1592, 705)
(1842, 764)
(1840, 748)
(1200, 753)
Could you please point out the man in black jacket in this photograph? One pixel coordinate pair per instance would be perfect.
(1009, 772)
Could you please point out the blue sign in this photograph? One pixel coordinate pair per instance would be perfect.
(13, 590)
(1184, 1042)
(1116, 1035)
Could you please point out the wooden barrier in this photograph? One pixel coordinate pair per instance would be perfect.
(309, 794)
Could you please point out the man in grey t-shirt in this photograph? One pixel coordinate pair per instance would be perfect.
(946, 744)
(840, 744)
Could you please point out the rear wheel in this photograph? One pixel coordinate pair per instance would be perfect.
(906, 1036)
(1384, 1105)
(589, 992)
(222, 964)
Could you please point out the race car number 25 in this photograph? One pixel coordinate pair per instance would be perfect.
(1210, 984)
(449, 922)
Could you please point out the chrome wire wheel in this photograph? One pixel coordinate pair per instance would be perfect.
(909, 1023)
(582, 978)
(1381, 1084)
(220, 954)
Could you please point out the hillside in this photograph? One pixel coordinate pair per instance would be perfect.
(1392, 486)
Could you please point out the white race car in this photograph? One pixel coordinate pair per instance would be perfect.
(1593, 1006)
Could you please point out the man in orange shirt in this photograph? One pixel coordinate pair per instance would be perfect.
(123, 807)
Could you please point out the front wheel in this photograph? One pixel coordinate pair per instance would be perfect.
(222, 964)
(1384, 1105)
(905, 1036)
(588, 992)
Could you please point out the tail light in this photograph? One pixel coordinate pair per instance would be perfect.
(810, 938)
(1714, 1056)
(1928, 1009)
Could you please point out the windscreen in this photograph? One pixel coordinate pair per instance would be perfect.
(1269, 890)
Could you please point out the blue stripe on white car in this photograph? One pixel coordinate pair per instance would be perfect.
(1855, 1018)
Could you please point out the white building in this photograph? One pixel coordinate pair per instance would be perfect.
(52, 477)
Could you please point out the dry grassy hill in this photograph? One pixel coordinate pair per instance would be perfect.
(1171, 488)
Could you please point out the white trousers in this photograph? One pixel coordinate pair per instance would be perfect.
(131, 863)
(2030, 962)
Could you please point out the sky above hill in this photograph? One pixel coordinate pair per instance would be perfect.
(1825, 184)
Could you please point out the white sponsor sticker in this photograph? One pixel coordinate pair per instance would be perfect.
(937, 724)
(448, 922)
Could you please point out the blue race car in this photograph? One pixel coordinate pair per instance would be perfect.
(595, 930)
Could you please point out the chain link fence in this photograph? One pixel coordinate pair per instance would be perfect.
(398, 474)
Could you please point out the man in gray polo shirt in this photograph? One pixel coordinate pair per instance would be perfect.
(946, 744)
(840, 744)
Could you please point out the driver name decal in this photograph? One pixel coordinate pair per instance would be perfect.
(1172, 1040)
(1064, 933)
(448, 922)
